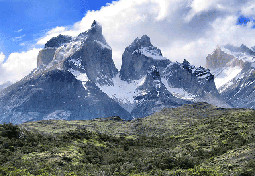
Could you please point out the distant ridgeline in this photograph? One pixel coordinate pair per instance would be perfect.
(76, 79)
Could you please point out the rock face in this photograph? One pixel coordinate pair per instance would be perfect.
(194, 80)
(240, 91)
(154, 96)
(76, 79)
(92, 55)
(235, 78)
(140, 56)
(64, 84)
(218, 59)
(56, 94)
(58, 41)
(45, 56)
(155, 82)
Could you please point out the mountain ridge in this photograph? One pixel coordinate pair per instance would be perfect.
(133, 92)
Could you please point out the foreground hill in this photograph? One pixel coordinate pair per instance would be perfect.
(197, 139)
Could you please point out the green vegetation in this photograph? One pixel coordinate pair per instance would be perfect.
(195, 139)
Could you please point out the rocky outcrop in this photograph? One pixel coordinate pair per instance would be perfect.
(240, 91)
(92, 56)
(197, 81)
(58, 41)
(218, 59)
(139, 57)
(242, 49)
(235, 77)
(45, 56)
(154, 96)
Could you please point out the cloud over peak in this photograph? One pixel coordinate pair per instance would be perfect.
(182, 29)
(188, 29)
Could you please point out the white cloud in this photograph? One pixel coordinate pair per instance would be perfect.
(52, 33)
(2, 57)
(19, 38)
(17, 65)
(188, 29)
(18, 31)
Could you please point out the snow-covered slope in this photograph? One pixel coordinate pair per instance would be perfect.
(233, 73)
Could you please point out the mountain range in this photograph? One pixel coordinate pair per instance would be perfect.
(76, 79)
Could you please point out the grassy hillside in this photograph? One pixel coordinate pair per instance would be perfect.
(197, 139)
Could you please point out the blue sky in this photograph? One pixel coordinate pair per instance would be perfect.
(24, 21)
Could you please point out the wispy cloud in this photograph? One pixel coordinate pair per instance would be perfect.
(18, 31)
(19, 38)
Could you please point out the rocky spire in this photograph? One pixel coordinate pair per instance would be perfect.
(218, 59)
(96, 27)
(139, 57)
(144, 41)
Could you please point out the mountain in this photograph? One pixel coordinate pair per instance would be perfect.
(76, 79)
(234, 69)
(141, 93)
(64, 86)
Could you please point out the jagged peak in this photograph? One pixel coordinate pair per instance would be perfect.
(144, 47)
(144, 41)
(185, 62)
(95, 33)
(96, 27)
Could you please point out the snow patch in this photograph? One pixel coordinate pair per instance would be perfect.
(151, 53)
(224, 75)
(178, 92)
(58, 115)
(239, 55)
(67, 50)
(123, 91)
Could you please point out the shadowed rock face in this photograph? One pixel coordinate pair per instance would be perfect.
(56, 42)
(94, 56)
(58, 95)
(154, 95)
(197, 81)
